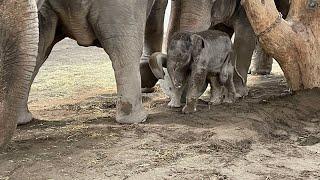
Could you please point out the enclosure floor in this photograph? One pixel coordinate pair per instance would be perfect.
(269, 134)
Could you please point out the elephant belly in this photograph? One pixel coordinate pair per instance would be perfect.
(73, 16)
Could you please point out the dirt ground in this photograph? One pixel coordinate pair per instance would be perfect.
(268, 135)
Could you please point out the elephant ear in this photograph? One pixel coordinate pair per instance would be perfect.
(223, 10)
(197, 44)
(156, 63)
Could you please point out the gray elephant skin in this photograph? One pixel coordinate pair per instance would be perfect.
(114, 25)
(19, 38)
(90, 23)
(225, 15)
(193, 61)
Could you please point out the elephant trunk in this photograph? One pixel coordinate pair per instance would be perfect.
(19, 36)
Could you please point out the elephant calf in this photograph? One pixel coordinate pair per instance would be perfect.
(196, 59)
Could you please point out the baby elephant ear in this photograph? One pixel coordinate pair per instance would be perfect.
(197, 44)
(157, 61)
(223, 10)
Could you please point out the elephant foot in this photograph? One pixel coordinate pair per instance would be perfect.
(174, 103)
(215, 101)
(241, 91)
(132, 118)
(228, 100)
(189, 109)
(147, 90)
(24, 117)
(260, 71)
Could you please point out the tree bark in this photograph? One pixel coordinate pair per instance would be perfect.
(294, 42)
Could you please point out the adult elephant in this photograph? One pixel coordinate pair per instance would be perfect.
(117, 26)
(19, 37)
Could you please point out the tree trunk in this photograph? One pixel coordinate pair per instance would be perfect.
(294, 42)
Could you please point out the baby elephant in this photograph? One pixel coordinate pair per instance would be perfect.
(196, 59)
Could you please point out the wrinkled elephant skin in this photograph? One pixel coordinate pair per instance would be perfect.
(19, 39)
(114, 25)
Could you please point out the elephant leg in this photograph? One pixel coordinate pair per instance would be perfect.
(216, 91)
(231, 94)
(123, 41)
(175, 98)
(153, 40)
(125, 61)
(196, 84)
(47, 38)
(244, 45)
(154, 29)
(18, 50)
(261, 63)
(189, 15)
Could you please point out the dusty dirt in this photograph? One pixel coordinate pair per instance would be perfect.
(268, 135)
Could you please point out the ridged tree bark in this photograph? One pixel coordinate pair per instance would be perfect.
(294, 42)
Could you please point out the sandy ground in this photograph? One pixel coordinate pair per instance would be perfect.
(268, 135)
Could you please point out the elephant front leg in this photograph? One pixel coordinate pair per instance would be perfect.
(261, 63)
(175, 99)
(48, 37)
(195, 87)
(18, 50)
(174, 94)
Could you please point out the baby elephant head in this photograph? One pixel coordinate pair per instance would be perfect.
(179, 58)
(177, 61)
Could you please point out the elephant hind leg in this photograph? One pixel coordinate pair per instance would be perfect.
(215, 91)
(124, 53)
(261, 63)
